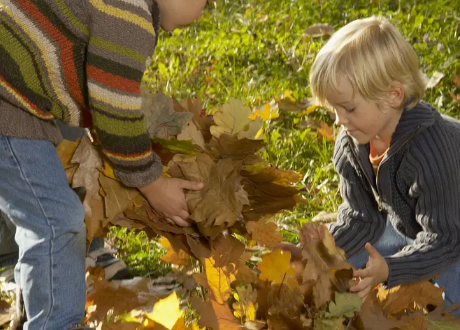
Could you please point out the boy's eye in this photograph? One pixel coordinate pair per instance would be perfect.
(350, 110)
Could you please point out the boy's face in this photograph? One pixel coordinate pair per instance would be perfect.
(178, 13)
(363, 120)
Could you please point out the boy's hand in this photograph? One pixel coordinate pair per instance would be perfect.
(376, 272)
(166, 196)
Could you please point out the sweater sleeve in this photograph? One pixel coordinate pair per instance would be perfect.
(358, 218)
(435, 185)
(121, 39)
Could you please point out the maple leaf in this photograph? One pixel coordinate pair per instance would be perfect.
(254, 130)
(117, 197)
(345, 304)
(371, 316)
(287, 304)
(260, 173)
(275, 266)
(219, 280)
(190, 132)
(266, 233)
(319, 247)
(228, 146)
(202, 122)
(232, 119)
(180, 257)
(245, 306)
(221, 199)
(226, 250)
(89, 162)
(193, 167)
(160, 118)
(105, 297)
(412, 297)
(267, 198)
(322, 290)
(215, 315)
(167, 311)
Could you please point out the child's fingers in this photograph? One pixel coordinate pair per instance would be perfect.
(191, 185)
(363, 294)
(373, 253)
(363, 273)
(362, 285)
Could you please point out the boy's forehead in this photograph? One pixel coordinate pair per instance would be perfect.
(342, 93)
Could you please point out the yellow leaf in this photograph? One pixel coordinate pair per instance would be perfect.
(244, 308)
(311, 109)
(219, 280)
(255, 114)
(247, 312)
(269, 113)
(176, 258)
(233, 118)
(167, 311)
(275, 266)
(108, 170)
(288, 95)
(195, 326)
(254, 168)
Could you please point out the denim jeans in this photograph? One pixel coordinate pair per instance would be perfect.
(50, 233)
(391, 242)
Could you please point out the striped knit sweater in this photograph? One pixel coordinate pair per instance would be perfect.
(80, 61)
(418, 187)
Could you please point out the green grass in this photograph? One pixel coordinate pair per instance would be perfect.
(254, 50)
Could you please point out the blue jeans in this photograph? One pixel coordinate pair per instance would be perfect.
(391, 242)
(50, 233)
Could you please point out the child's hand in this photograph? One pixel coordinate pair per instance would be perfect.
(376, 272)
(166, 196)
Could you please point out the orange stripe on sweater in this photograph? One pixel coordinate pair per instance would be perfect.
(113, 81)
(65, 46)
(129, 157)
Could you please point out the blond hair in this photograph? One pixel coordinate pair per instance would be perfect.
(372, 54)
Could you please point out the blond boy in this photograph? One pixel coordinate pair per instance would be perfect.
(397, 158)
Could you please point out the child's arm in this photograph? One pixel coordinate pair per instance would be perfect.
(434, 175)
(121, 38)
(358, 218)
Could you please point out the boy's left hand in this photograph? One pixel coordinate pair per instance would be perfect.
(376, 272)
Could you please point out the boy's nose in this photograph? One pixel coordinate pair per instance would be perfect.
(340, 119)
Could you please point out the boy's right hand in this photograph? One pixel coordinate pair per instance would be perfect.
(166, 196)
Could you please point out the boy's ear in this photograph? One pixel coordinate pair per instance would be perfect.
(395, 95)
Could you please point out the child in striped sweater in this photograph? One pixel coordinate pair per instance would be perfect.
(397, 158)
(81, 62)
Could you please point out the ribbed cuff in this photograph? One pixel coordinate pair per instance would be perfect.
(141, 179)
